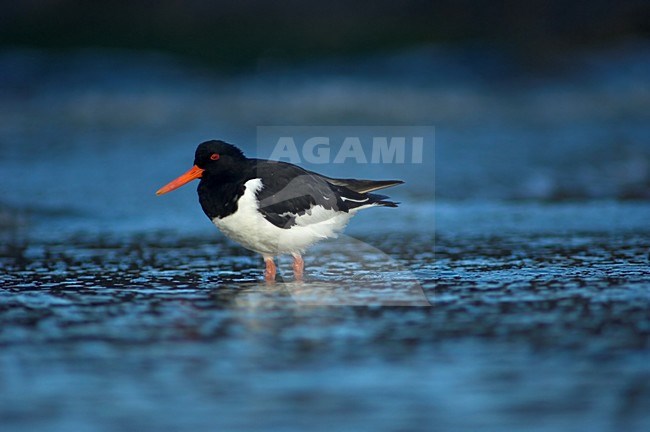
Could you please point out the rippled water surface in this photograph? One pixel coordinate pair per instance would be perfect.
(544, 331)
(465, 309)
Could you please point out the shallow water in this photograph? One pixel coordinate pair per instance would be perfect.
(463, 309)
(544, 330)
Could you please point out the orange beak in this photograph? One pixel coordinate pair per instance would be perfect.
(194, 173)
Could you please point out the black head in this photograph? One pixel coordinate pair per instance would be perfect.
(217, 155)
(214, 161)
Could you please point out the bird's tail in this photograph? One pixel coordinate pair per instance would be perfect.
(356, 201)
(380, 200)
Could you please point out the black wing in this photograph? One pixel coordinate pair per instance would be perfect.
(363, 186)
(290, 191)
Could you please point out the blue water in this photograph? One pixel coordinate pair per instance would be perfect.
(510, 290)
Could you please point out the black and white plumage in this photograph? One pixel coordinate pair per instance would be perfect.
(273, 207)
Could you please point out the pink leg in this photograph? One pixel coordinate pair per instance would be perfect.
(298, 267)
(269, 273)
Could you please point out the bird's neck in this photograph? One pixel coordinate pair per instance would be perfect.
(219, 191)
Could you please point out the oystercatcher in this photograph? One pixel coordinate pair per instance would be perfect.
(274, 207)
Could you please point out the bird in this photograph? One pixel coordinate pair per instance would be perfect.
(273, 207)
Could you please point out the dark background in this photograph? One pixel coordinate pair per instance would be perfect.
(240, 33)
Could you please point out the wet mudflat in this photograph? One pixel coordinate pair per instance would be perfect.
(544, 330)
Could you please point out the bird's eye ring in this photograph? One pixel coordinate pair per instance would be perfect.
(214, 156)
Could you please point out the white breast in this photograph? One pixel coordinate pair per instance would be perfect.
(248, 226)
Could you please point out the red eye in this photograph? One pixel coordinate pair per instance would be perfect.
(214, 156)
